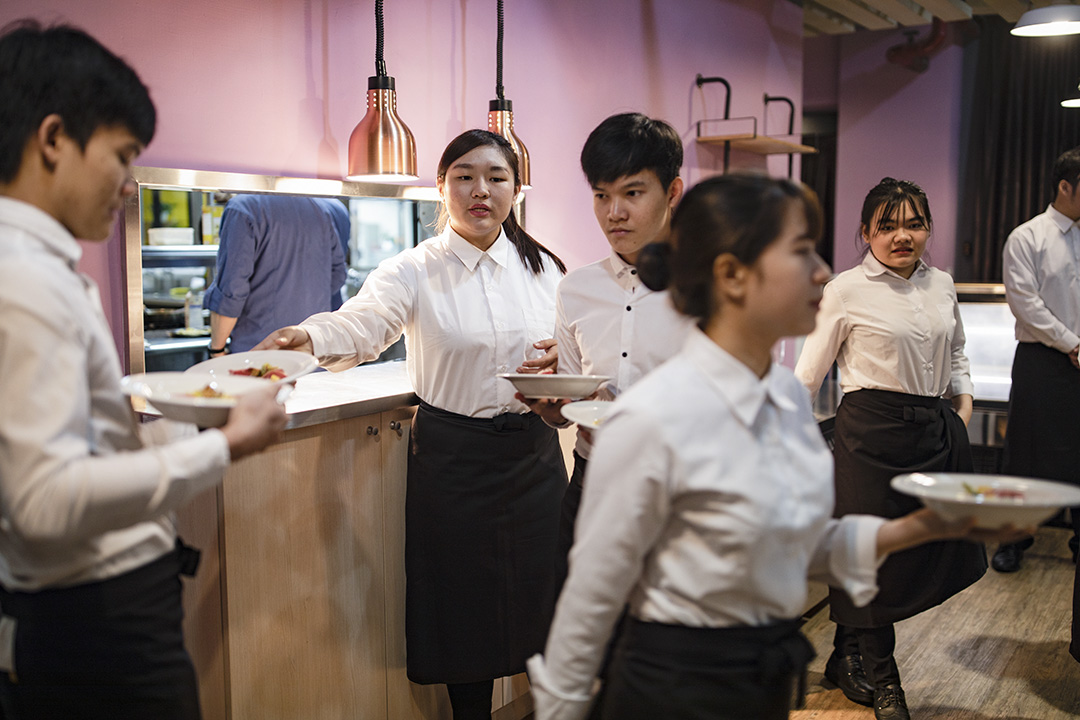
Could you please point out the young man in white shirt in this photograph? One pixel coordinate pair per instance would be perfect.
(1041, 269)
(607, 322)
(89, 558)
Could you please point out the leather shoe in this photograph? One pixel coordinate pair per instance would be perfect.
(846, 672)
(889, 703)
(1007, 558)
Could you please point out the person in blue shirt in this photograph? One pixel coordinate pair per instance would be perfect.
(281, 260)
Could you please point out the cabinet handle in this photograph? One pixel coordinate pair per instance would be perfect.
(396, 427)
(372, 430)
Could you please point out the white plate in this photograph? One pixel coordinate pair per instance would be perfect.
(171, 394)
(946, 494)
(555, 387)
(589, 414)
(292, 362)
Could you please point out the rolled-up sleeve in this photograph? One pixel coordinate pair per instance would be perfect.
(846, 557)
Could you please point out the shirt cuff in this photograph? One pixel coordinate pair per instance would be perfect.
(550, 703)
(859, 563)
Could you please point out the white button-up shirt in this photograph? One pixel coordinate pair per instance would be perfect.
(467, 315)
(1041, 271)
(886, 332)
(708, 503)
(608, 323)
(81, 498)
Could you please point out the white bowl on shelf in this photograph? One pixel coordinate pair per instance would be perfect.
(1023, 502)
(555, 387)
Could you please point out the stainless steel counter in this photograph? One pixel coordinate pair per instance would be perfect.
(323, 397)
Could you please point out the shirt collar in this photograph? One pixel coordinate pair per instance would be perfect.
(873, 267)
(625, 273)
(1063, 222)
(744, 391)
(40, 226)
(470, 255)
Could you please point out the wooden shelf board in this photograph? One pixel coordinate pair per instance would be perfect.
(760, 144)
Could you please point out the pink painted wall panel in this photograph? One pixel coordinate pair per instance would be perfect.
(899, 123)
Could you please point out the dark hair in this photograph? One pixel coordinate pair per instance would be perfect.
(528, 248)
(63, 70)
(740, 214)
(628, 143)
(1067, 168)
(889, 195)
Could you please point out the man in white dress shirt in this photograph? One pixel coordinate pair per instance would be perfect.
(1041, 271)
(607, 322)
(89, 558)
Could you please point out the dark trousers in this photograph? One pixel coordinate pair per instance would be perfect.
(107, 650)
(471, 701)
(876, 646)
(571, 503)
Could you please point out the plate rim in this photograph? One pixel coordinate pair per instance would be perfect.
(899, 483)
(588, 426)
(311, 363)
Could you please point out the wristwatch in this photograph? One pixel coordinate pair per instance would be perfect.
(213, 350)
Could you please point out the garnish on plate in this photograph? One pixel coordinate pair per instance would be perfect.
(988, 491)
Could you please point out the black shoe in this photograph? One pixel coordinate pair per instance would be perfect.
(1007, 558)
(846, 673)
(1074, 547)
(889, 703)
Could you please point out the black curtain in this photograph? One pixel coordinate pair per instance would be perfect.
(1015, 129)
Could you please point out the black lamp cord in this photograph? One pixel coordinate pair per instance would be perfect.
(498, 56)
(380, 64)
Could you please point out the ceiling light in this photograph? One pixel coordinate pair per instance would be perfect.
(501, 113)
(1047, 21)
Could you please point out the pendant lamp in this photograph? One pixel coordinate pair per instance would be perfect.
(381, 147)
(1047, 21)
(501, 112)
(1072, 102)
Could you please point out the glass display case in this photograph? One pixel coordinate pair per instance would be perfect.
(171, 230)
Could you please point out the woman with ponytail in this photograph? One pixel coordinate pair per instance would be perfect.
(485, 475)
(708, 498)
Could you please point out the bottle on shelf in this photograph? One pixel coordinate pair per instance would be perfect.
(193, 304)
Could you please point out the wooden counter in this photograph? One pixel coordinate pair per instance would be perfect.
(297, 611)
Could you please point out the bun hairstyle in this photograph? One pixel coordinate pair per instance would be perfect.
(739, 214)
(529, 250)
(889, 195)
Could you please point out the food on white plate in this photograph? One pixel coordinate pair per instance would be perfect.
(266, 370)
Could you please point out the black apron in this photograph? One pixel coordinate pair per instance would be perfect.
(689, 673)
(106, 650)
(881, 434)
(481, 524)
(1043, 436)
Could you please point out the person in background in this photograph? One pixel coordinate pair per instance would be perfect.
(607, 322)
(485, 476)
(282, 258)
(89, 558)
(708, 496)
(893, 327)
(1041, 272)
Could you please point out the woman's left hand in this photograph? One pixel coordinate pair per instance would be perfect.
(963, 405)
(548, 363)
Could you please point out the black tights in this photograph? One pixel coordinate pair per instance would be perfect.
(471, 701)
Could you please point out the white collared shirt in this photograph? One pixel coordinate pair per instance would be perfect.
(608, 323)
(81, 498)
(886, 332)
(708, 503)
(467, 316)
(1041, 271)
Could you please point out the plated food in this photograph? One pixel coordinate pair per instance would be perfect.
(554, 387)
(273, 365)
(198, 398)
(994, 500)
(589, 414)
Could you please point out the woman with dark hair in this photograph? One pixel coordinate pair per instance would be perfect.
(708, 496)
(485, 476)
(893, 327)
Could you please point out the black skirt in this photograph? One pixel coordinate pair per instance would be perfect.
(1043, 437)
(879, 435)
(481, 525)
(688, 673)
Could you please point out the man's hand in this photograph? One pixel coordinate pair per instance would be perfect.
(1074, 357)
(255, 422)
(293, 337)
(549, 410)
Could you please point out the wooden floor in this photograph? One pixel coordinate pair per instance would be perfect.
(997, 650)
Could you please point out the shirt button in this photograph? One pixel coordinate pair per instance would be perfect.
(633, 272)
(627, 308)
(624, 354)
(498, 326)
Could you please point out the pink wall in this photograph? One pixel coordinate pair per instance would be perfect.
(896, 122)
(821, 72)
(276, 86)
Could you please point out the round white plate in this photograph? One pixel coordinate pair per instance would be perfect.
(994, 500)
(554, 387)
(172, 394)
(295, 364)
(589, 414)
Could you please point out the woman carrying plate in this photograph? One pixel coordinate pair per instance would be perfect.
(485, 476)
(893, 327)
